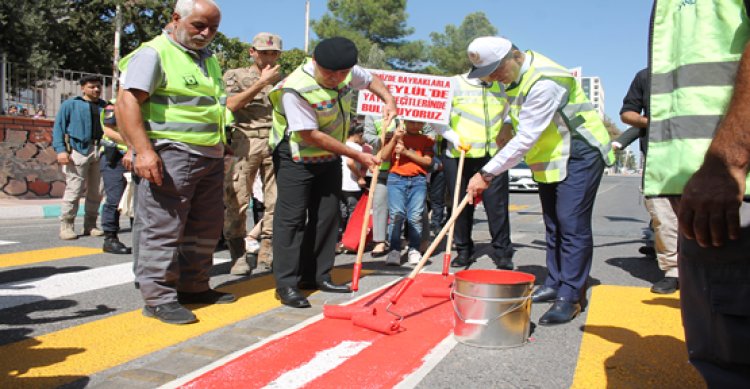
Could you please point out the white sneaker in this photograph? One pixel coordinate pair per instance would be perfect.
(252, 246)
(393, 258)
(414, 256)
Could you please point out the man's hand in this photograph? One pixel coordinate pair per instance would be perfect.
(63, 158)
(710, 203)
(148, 165)
(389, 112)
(361, 182)
(476, 186)
(269, 75)
(127, 160)
(368, 160)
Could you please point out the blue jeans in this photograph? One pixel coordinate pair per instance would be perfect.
(406, 199)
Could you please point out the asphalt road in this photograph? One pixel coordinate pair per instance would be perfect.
(548, 361)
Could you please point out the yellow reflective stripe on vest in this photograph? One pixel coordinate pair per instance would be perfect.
(695, 50)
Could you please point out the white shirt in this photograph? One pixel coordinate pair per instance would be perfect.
(300, 115)
(348, 179)
(537, 112)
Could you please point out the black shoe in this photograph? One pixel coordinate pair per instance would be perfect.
(171, 313)
(461, 260)
(504, 263)
(544, 294)
(114, 246)
(666, 285)
(210, 296)
(326, 286)
(562, 311)
(647, 251)
(292, 297)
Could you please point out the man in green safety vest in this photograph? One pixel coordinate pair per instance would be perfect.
(565, 144)
(310, 124)
(699, 155)
(172, 113)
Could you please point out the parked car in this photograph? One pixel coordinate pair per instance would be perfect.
(520, 179)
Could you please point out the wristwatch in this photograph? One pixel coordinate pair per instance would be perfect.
(487, 177)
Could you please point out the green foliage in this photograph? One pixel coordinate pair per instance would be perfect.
(231, 52)
(373, 22)
(448, 52)
(291, 59)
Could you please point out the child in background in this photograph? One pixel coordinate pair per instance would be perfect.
(410, 153)
(352, 180)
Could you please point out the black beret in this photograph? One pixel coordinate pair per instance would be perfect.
(335, 53)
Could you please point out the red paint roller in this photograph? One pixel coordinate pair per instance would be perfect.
(357, 269)
(441, 292)
(385, 324)
(345, 312)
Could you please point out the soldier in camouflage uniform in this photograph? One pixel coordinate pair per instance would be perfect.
(252, 156)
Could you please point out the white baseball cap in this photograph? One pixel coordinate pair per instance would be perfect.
(486, 53)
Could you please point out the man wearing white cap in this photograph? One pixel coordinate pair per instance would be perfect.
(247, 90)
(566, 146)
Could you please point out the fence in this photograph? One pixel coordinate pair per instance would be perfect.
(32, 89)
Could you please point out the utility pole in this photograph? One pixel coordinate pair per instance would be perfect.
(307, 26)
(116, 56)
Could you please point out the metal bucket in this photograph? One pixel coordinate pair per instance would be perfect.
(492, 307)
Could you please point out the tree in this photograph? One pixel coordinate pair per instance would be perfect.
(231, 52)
(291, 59)
(448, 52)
(373, 22)
(612, 129)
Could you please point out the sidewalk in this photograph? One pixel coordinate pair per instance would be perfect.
(13, 208)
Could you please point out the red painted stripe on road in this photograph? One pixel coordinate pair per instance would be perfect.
(386, 362)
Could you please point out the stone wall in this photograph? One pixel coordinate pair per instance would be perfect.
(28, 164)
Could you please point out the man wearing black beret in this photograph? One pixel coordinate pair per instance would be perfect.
(310, 124)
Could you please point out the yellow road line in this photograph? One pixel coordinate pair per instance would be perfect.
(516, 208)
(44, 255)
(64, 356)
(633, 339)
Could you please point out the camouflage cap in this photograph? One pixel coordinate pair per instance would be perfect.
(267, 41)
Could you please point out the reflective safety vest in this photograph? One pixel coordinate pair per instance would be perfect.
(548, 157)
(385, 165)
(190, 106)
(477, 116)
(331, 106)
(695, 51)
(107, 113)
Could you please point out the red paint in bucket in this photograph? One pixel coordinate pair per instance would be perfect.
(495, 277)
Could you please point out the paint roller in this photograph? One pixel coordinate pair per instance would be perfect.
(357, 269)
(346, 312)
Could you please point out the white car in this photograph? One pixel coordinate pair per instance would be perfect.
(520, 179)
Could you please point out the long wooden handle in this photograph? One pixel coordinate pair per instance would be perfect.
(456, 191)
(427, 254)
(356, 271)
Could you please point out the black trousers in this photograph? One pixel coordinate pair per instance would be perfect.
(114, 186)
(437, 199)
(306, 218)
(495, 200)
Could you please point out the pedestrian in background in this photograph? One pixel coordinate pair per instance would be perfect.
(699, 151)
(75, 138)
(172, 115)
(475, 122)
(566, 146)
(635, 112)
(372, 137)
(410, 153)
(113, 172)
(310, 124)
(248, 90)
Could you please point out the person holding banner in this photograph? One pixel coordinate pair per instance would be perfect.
(566, 145)
(475, 122)
(311, 109)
